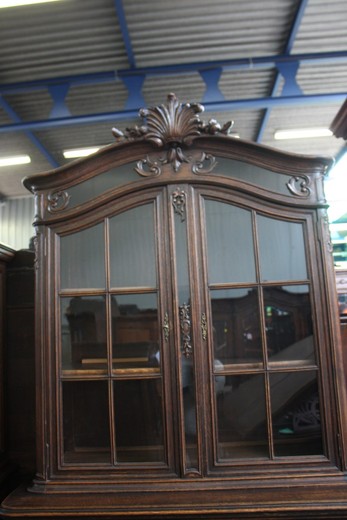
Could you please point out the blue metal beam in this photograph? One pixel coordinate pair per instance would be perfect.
(13, 115)
(125, 32)
(75, 80)
(237, 64)
(257, 103)
(295, 26)
(287, 69)
(58, 93)
(211, 78)
(134, 87)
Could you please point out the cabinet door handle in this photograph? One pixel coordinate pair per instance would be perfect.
(166, 327)
(185, 325)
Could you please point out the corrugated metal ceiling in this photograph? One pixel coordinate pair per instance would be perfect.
(111, 56)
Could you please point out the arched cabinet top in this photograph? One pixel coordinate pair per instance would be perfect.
(174, 145)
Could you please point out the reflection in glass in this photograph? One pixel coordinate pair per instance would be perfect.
(135, 334)
(186, 346)
(230, 244)
(83, 332)
(241, 417)
(108, 180)
(132, 248)
(295, 414)
(86, 422)
(82, 259)
(252, 174)
(139, 420)
(288, 319)
(282, 250)
(236, 326)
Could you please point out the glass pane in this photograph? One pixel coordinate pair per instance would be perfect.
(289, 329)
(252, 174)
(236, 327)
(295, 414)
(83, 331)
(82, 259)
(91, 188)
(230, 248)
(132, 248)
(135, 334)
(241, 417)
(282, 250)
(139, 420)
(187, 364)
(86, 422)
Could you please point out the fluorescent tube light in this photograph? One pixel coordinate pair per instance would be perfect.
(302, 133)
(16, 3)
(16, 159)
(80, 152)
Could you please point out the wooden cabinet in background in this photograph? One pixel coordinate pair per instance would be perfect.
(17, 367)
(6, 255)
(188, 357)
(20, 365)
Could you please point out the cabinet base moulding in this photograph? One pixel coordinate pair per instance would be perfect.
(314, 500)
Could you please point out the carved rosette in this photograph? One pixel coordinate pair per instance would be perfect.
(173, 126)
(57, 201)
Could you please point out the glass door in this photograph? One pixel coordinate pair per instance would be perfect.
(264, 369)
(114, 337)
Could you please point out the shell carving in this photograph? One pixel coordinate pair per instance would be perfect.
(174, 125)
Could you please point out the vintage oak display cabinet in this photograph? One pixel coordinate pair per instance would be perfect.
(188, 352)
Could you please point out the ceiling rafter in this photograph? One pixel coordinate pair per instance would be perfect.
(17, 120)
(241, 104)
(290, 73)
(125, 32)
(235, 64)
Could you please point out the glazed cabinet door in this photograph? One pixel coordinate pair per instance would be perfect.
(115, 358)
(265, 343)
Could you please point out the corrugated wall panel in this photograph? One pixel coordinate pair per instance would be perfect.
(16, 217)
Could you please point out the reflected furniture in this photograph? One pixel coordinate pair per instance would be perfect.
(188, 355)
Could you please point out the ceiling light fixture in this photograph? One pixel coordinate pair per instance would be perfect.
(14, 160)
(16, 3)
(80, 152)
(302, 133)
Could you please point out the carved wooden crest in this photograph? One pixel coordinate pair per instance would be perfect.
(174, 125)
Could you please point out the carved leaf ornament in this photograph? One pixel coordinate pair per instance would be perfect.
(174, 125)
